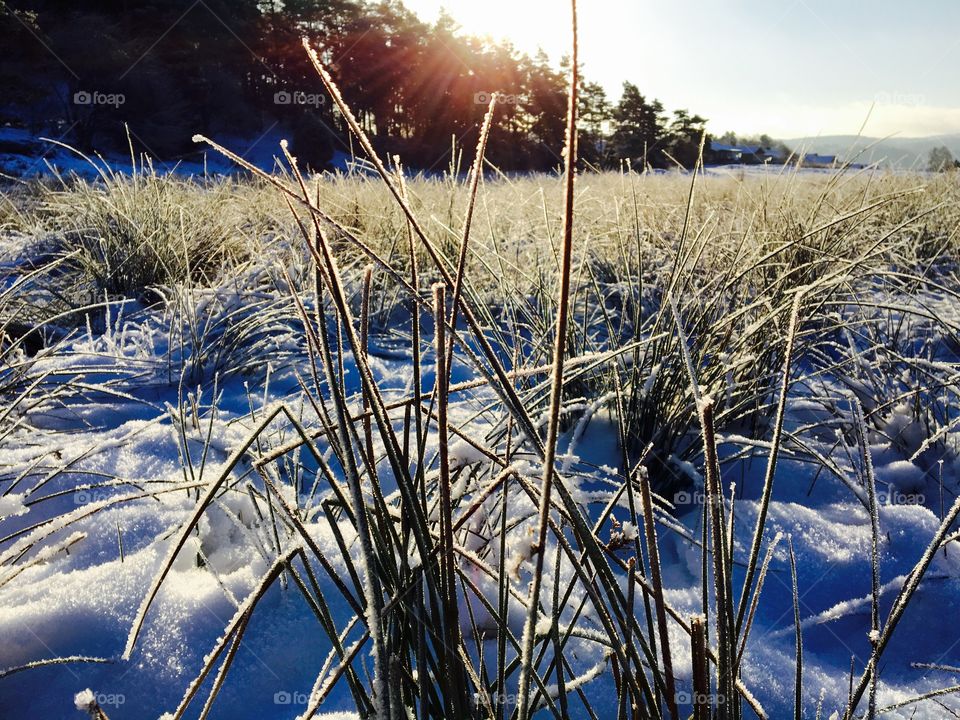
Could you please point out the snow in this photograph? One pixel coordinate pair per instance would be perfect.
(462, 453)
(84, 700)
(33, 154)
(12, 505)
(76, 593)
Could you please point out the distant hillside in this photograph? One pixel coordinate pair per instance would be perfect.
(896, 151)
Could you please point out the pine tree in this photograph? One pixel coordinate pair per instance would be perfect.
(595, 114)
(684, 136)
(639, 134)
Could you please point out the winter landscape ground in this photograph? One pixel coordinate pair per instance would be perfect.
(274, 446)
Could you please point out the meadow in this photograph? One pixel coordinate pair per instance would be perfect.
(280, 445)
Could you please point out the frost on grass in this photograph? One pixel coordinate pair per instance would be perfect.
(143, 407)
(85, 700)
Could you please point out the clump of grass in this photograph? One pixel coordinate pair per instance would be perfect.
(240, 325)
(28, 335)
(418, 648)
(145, 229)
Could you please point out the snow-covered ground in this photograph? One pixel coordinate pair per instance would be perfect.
(28, 154)
(96, 484)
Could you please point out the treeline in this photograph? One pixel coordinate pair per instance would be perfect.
(168, 69)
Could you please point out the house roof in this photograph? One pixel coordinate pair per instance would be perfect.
(742, 149)
(814, 158)
(722, 147)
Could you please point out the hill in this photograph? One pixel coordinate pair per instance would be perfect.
(901, 152)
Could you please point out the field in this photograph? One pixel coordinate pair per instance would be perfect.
(274, 446)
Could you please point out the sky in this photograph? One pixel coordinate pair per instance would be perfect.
(789, 68)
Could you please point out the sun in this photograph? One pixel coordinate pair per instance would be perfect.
(530, 25)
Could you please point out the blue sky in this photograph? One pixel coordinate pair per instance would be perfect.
(792, 68)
